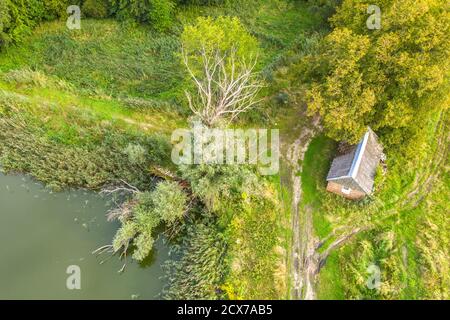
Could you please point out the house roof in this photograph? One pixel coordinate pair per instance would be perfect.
(356, 169)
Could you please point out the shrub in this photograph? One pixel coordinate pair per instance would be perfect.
(56, 8)
(158, 13)
(135, 153)
(18, 18)
(161, 14)
(169, 201)
(217, 186)
(4, 22)
(95, 8)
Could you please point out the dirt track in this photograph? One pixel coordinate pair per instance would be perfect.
(304, 261)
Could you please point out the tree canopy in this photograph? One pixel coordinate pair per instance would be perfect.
(386, 78)
(220, 57)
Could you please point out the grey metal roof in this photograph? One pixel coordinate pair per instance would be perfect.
(357, 168)
(342, 165)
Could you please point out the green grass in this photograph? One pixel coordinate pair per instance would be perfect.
(108, 58)
(104, 57)
(330, 285)
(316, 164)
(105, 108)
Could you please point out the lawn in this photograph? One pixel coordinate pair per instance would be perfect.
(315, 168)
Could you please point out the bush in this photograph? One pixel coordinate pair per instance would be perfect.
(55, 9)
(136, 154)
(158, 13)
(220, 186)
(18, 18)
(4, 22)
(95, 9)
(169, 201)
(161, 14)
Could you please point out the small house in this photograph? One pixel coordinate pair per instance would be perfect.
(352, 174)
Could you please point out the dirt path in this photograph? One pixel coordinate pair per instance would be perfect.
(304, 262)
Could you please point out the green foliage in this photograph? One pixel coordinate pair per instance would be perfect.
(202, 2)
(433, 241)
(135, 153)
(55, 9)
(256, 263)
(4, 23)
(383, 78)
(380, 251)
(144, 245)
(126, 232)
(29, 78)
(198, 267)
(218, 36)
(140, 63)
(222, 185)
(156, 12)
(345, 89)
(79, 151)
(161, 14)
(138, 229)
(169, 201)
(326, 8)
(95, 8)
(146, 220)
(19, 17)
(166, 203)
(315, 167)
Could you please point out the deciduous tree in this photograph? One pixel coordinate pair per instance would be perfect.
(221, 58)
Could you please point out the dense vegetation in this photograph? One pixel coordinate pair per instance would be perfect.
(395, 80)
(105, 122)
(385, 78)
(94, 108)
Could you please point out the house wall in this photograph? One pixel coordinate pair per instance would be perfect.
(337, 189)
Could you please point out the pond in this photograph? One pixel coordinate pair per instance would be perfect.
(43, 233)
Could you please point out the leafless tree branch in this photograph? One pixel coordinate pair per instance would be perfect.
(226, 86)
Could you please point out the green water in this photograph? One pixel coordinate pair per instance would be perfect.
(43, 233)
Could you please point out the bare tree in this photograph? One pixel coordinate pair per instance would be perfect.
(226, 86)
